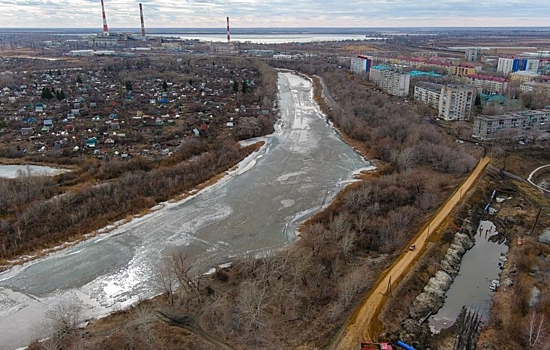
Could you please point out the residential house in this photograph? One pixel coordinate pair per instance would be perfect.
(27, 131)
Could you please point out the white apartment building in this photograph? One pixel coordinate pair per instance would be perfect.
(394, 83)
(360, 64)
(454, 102)
(488, 84)
(510, 65)
(428, 93)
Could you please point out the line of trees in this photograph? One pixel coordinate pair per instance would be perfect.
(35, 215)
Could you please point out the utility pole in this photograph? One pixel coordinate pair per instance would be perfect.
(388, 288)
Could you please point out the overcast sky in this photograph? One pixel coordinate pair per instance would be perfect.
(275, 13)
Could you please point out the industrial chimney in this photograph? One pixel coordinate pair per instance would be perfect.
(228, 35)
(105, 28)
(142, 24)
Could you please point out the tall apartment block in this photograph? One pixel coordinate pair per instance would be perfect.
(510, 65)
(360, 64)
(394, 83)
(454, 102)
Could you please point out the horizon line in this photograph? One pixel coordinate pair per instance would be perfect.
(285, 27)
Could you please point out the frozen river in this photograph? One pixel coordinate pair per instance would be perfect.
(254, 208)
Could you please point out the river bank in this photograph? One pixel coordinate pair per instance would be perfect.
(338, 251)
(219, 223)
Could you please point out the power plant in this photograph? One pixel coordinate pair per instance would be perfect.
(142, 23)
(228, 33)
(105, 28)
(110, 40)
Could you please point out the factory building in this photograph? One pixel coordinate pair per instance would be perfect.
(516, 123)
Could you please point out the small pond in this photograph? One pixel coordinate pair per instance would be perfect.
(472, 287)
(13, 171)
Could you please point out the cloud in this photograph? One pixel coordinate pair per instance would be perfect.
(275, 13)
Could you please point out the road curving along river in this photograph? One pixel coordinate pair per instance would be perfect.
(252, 209)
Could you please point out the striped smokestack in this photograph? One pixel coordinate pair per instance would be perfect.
(105, 28)
(142, 24)
(228, 35)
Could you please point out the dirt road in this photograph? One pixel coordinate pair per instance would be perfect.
(364, 325)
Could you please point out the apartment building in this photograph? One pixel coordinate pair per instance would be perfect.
(360, 64)
(462, 70)
(510, 65)
(428, 93)
(532, 86)
(517, 123)
(394, 83)
(523, 76)
(487, 84)
(471, 54)
(454, 102)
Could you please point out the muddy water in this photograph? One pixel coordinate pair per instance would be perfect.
(471, 288)
(255, 208)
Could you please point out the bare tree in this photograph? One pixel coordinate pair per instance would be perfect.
(62, 318)
(314, 236)
(251, 304)
(182, 268)
(339, 225)
(143, 315)
(165, 278)
(535, 329)
(346, 245)
(362, 220)
(348, 289)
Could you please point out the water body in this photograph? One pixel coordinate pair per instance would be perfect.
(255, 208)
(471, 288)
(270, 38)
(13, 171)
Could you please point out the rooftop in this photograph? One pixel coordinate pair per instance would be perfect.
(379, 68)
(487, 77)
(417, 73)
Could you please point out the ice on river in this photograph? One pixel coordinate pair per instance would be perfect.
(252, 209)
